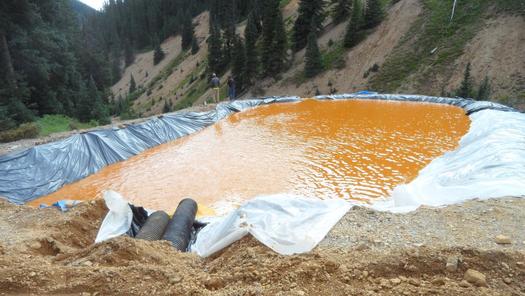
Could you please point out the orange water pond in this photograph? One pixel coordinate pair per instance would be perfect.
(351, 149)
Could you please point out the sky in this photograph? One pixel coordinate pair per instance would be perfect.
(97, 4)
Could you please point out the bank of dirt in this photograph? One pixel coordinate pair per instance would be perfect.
(367, 253)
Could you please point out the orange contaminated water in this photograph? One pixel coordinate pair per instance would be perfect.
(351, 149)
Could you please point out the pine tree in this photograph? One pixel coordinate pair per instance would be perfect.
(274, 42)
(115, 67)
(129, 55)
(280, 44)
(309, 11)
(99, 110)
(85, 104)
(239, 64)
(167, 107)
(194, 45)
(187, 32)
(132, 85)
(251, 34)
(158, 55)
(215, 50)
(229, 40)
(268, 33)
(353, 30)
(313, 59)
(484, 90)
(340, 11)
(373, 14)
(467, 85)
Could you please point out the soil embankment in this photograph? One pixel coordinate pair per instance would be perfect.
(368, 253)
(6, 148)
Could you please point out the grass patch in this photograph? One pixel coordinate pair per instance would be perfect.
(283, 3)
(168, 70)
(193, 95)
(50, 124)
(510, 6)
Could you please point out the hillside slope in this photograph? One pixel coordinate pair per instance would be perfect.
(373, 50)
(407, 58)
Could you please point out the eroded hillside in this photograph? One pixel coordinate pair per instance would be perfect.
(414, 50)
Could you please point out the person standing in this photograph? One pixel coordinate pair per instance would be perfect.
(231, 88)
(215, 84)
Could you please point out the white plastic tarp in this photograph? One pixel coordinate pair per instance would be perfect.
(117, 220)
(285, 223)
(489, 163)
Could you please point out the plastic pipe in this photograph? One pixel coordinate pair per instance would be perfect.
(179, 228)
(154, 227)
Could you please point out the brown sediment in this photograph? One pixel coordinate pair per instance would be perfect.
(352, 149)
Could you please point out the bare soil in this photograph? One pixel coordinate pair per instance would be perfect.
(498, 51)
(44, 251)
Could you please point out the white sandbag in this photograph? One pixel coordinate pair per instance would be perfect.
(118, 220)
(489, 163)
(287, 224)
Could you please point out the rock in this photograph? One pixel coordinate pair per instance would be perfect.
(507, 281)
(452, 264)
(87, 263)
(505, 265)
(520, 264)
(362, 247)
(411, 268)
(385, 283)
(503, 240)
(365, 273)
(395, 281)
(414, 282)
(175, 280)
(438, 282)
(85, 294)
(476, 278)
(464, 284)
(35, 245)
(32, 274)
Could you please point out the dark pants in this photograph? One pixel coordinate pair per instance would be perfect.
(231, 93)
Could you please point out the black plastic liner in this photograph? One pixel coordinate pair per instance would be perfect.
(43, 169)
(140, 216)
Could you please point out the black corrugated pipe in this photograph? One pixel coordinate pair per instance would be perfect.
(178, 231)
(154, 227)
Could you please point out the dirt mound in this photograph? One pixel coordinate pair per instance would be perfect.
(49, 252)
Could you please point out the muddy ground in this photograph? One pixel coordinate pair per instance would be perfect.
(368, 253)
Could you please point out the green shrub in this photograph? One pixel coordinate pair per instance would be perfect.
(24, 131)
